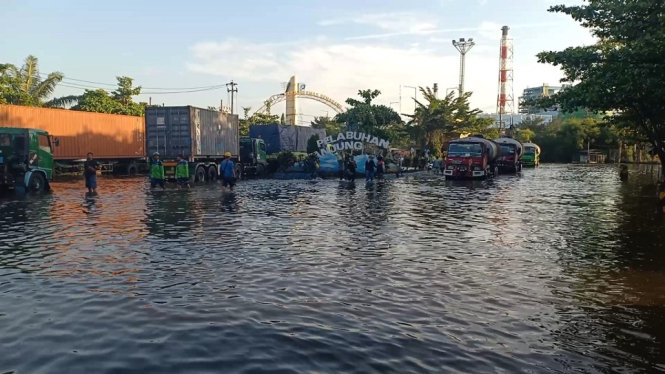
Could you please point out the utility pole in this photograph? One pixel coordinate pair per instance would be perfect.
(233, 90)
(463, 46)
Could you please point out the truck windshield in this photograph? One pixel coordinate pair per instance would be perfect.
(465, 149)
(529, 150)
(507, 149)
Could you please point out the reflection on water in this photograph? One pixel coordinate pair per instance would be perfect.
(558, 270)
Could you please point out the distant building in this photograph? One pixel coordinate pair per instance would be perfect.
(531, 93)
(515, 119)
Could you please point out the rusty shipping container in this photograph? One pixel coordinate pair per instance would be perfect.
(108, 136)
(191, 132)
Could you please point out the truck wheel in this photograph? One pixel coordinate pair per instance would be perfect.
(239, 172)
(132, 169)
(260, 169)
(212, 173)
(200, 175)
(37, 183)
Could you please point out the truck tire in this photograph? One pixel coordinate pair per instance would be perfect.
(37, 183)
(200, 174)
(239, 172)
(212, 173)
(132, 169)
(260, 169)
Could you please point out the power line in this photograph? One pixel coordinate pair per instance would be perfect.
(87, 87)
(116, 85)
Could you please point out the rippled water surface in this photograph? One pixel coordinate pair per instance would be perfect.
(559, 270)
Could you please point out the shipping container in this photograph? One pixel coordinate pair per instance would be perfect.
(279, 138)
(191, 132)
(108, 136)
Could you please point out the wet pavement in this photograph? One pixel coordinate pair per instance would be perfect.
(559, 270)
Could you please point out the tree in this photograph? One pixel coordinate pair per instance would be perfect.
(282, 119)
(25, 86)
(326, 123)
(255, 119)
(312, 146)
(118, 102)
(378, 120)
(525, 135)
(436, 120)
(623, 72)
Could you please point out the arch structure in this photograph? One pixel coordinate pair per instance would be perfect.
(274, 99)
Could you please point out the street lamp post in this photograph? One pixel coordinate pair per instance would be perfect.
(463, 46)
(415, 97)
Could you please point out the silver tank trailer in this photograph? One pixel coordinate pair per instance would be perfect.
(492, 147)
(519, 148)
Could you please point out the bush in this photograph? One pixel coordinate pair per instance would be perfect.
(285, 160)
(311, 144)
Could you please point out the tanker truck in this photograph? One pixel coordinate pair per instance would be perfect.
(510, 151)
(471, 158)
(531, 156)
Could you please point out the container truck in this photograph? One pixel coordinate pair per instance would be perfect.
(531, 156)
(510, 152)
(115, 140)
(26, 158)
(473, 157)
(202, 137)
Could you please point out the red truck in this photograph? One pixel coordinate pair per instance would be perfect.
(510, 154)
(471, 158)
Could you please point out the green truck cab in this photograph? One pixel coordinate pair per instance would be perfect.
(253, 156)
(26, 158)
(531, 156)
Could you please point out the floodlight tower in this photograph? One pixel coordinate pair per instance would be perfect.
(505, 101)
(463, 46)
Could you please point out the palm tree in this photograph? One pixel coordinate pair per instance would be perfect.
(28, 81)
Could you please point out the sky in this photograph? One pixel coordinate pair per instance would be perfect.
(334, 47)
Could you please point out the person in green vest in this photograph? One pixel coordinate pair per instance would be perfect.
(157, 177)
(182, 173)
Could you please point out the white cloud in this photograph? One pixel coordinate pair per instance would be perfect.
(340, 69)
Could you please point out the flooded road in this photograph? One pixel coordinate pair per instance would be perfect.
(559, 270)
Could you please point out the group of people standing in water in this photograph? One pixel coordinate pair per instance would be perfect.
(373, 168)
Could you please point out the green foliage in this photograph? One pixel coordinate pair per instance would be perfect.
(255, 119)
(329, 124)
(285, 160)
(525, 136)
(437, 120)
(100, 101)
(561, 140)
(24, 85)
(623, 72)
(311, 143)
(366, 117)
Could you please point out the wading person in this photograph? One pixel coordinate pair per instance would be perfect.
(351, 168)
(341, 164)
(228, 172)
(623, 172)
(380, 167)
(157, 177)
(182, 173)
(90, 167)
(370, 168)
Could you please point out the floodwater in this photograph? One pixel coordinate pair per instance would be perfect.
(559, 270)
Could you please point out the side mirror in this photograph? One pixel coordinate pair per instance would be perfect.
(56, 142)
